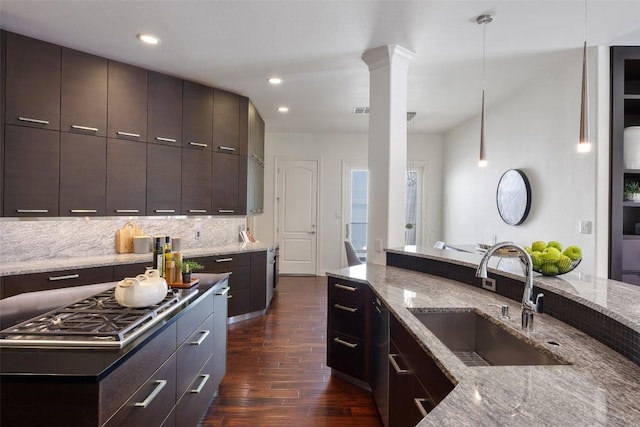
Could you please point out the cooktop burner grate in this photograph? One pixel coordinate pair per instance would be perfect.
(94, 321)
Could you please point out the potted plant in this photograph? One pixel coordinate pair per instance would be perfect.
(187, 266)
(632, 191)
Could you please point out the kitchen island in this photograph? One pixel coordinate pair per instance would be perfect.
(592, 385)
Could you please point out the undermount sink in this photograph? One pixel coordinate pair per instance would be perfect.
(477, 341)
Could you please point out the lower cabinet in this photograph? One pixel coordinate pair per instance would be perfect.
(18, 284)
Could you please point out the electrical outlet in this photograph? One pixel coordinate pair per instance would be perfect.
(489, 284)
(198, 231)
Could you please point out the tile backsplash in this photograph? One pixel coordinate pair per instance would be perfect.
(28, 239)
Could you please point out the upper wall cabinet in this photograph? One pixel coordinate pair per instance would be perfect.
(127, 102)
(83, 93)
(197, 116)
(226, 123)
(165, 109)
(32, 82)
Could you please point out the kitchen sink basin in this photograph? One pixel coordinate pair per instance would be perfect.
(477, 341)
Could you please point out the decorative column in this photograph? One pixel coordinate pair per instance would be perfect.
(388, 67)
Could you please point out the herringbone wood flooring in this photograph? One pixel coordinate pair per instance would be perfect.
(276, 368)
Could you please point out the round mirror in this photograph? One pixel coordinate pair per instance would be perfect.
(513, 197)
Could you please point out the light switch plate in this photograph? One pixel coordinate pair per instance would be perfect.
(585, 227)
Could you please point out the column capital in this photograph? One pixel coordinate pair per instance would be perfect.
(391, 54)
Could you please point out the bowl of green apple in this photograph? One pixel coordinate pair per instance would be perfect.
(550, 259)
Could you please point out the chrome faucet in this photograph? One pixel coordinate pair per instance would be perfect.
(529, 305)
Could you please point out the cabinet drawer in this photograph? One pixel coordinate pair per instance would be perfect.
(631, 254)
(346, 354)
(193, 404)
(193, 354)
(239, 277)
(347, 318)
(239, 301)
(14, 285)
(196, 314)
(221, 262)
(130, 270)
(347, 291)
(150, 405)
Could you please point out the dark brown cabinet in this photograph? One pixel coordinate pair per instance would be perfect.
(31, 174)
(226, 122)
(83, 94)
(83, 170)
(164, 179)
(225, 182)
(127, 102)
(32, 82)
(165, 109)
(197, 116)
(196, 182)
(2, 90)
(14, 285)
(347, 341)
(126, 177)
(259, 281)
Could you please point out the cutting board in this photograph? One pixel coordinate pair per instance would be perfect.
(124, 237)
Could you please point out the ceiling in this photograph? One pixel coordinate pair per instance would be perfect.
(315, 46)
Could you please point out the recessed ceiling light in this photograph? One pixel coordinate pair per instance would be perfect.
(283, 109)
(274, 80)
(148, 39)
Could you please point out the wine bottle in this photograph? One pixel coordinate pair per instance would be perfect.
(158, 255)
(167, 256)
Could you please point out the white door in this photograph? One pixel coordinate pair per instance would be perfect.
(297, 204)
(355, 179)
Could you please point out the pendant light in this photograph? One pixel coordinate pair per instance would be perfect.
(483, 20)
(584, 144)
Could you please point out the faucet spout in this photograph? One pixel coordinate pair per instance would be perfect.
(529, 306)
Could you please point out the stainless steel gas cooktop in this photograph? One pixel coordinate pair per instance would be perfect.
(94, 322)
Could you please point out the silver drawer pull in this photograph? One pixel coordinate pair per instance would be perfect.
(165, 211)
(83, 211)
(32, 210)
(226, 211)
(345, 343)
(204, 336)
(224, 259)
(205, 378)
(129, 134)
(87, 128)
(223, 291)
(67, 277)
(127, 210)
(159, 138)
(222, 147)
(30, 120)
(342, 307)
(159, 386)
(197, 211)
(419, 403)
(345, 287)
(198, 144)
(396, 367)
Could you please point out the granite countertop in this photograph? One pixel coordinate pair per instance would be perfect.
(597, 387)
(47, 265)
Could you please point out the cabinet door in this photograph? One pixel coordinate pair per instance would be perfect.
(258, 281)
(196, 182)
(83, 175)
(164, 179)
(165, 109)
(225, 183)
(83, 93)
(405, 392)
(127, 102)
(243, 120)
(256, 134)
(197, 116)
(126, 177)
(31, 175)
(251, 187)
(33, 82)
(226, 122)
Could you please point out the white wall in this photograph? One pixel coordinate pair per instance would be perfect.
(536, 131)
(331, 150)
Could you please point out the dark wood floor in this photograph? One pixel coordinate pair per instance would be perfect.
(276, 368)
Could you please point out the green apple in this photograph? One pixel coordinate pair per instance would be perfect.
(528, 249)
(555, 244)
(549, 269)
(536, 258)
(538, 245)
(551, 253)
(564, 264)
(573, 252)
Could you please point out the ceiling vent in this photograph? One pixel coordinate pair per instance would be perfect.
(365, 110)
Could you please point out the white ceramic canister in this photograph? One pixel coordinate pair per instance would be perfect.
(631, 147)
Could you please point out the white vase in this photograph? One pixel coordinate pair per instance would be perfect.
(635, 197)
(631, 147)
